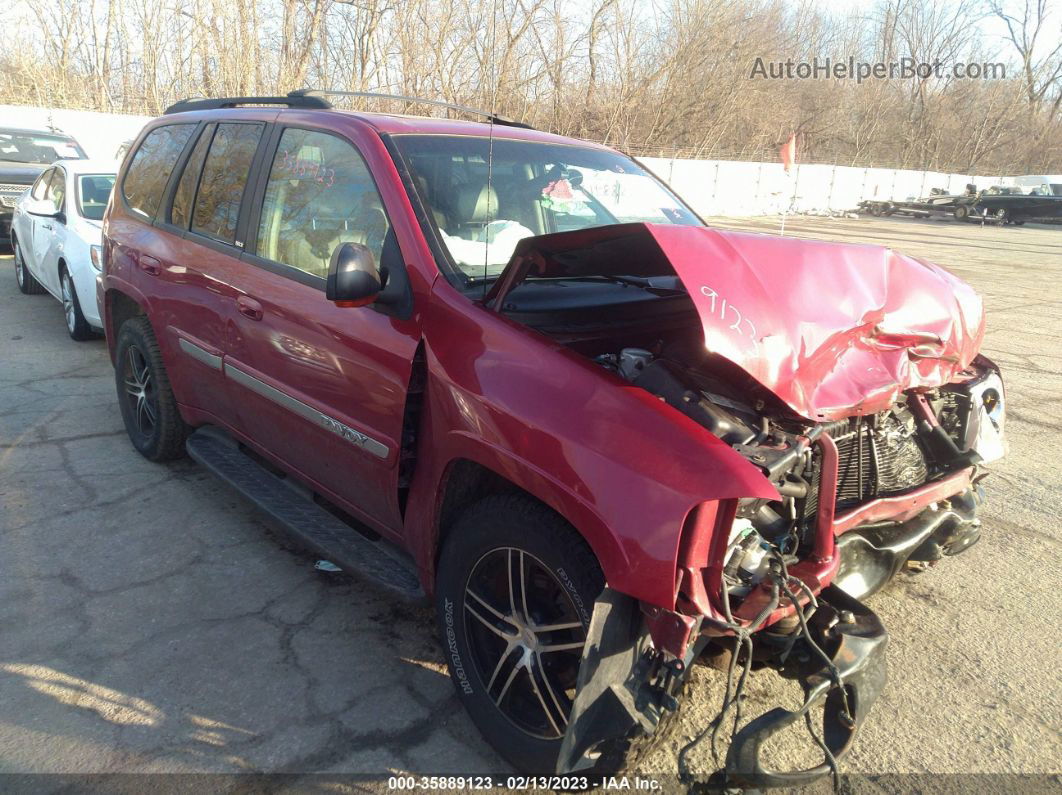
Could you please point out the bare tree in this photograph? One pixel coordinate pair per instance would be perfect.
(649, 76)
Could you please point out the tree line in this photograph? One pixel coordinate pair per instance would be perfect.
(651, 77)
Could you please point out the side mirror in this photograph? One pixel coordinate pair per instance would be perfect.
(43, 208)
(353, 278)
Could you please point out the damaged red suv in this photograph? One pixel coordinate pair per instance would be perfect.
(515, 373)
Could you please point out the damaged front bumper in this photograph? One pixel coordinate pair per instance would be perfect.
(846, 684)
(625, 689)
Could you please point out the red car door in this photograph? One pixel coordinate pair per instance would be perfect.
(191, 263)
(323, 387)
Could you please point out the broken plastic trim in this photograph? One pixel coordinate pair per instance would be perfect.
(624, 686)
(854, 639)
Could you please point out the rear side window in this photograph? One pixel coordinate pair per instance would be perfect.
(181, 212)
(221, 186)
(319, 195)
(152, 165)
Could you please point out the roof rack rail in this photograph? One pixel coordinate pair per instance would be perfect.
(321, 94)
(293, 100)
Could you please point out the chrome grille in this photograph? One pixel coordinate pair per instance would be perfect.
(9, 194)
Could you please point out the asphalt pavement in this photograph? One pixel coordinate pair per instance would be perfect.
(150, 622)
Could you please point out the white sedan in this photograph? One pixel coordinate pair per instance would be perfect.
(57, 233)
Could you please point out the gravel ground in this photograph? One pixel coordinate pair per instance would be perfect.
(150, 623)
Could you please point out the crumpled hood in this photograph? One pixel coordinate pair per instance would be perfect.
(832, 329)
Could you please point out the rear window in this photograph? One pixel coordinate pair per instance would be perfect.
(152, 165)
(23, 146)
(224, 177)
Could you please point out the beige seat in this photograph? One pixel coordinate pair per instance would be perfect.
(474, 207)
(425, 193)
(310, 249)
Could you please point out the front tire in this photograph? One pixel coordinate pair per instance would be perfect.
(27, 285)
(148, 406)
(76, 325)
(515, 590)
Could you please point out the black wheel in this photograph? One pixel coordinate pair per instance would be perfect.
(27, 285)
(149, 409)
(1018, 221)
(76, 324)
(515, 590)
(962, 212)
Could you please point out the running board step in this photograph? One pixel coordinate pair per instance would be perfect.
(305, 521)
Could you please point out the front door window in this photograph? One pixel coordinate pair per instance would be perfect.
(319, 195)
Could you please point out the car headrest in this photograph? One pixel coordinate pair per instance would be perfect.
(476, 204)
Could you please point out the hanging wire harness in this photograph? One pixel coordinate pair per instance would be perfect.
(854, 666)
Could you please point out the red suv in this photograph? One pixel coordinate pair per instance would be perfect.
(514, 372)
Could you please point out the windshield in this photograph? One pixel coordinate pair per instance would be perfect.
(18, 146)
(93, 191)
(536, 189)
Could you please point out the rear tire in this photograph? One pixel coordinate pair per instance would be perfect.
(27, 285)
(148, 406)
(516, 679)
(76, 324)
(961, 212)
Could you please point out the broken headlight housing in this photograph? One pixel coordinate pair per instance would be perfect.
(985, 423)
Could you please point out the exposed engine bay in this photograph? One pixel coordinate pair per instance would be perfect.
(880, 455)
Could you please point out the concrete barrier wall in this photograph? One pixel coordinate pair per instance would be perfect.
(720, 187)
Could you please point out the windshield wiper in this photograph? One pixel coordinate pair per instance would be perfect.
(649, 283)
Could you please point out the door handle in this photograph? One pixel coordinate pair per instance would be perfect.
(149, 265)
(249, 307)
(46, 226)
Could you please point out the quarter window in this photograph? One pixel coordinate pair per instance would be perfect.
(225, 172)
(152, 165)
(319, 195)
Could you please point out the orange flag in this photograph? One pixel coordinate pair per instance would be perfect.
(788, 152)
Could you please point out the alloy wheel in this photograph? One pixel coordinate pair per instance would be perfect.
(140, 391)
(526, 640)
(68, 302)
(20, 268)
